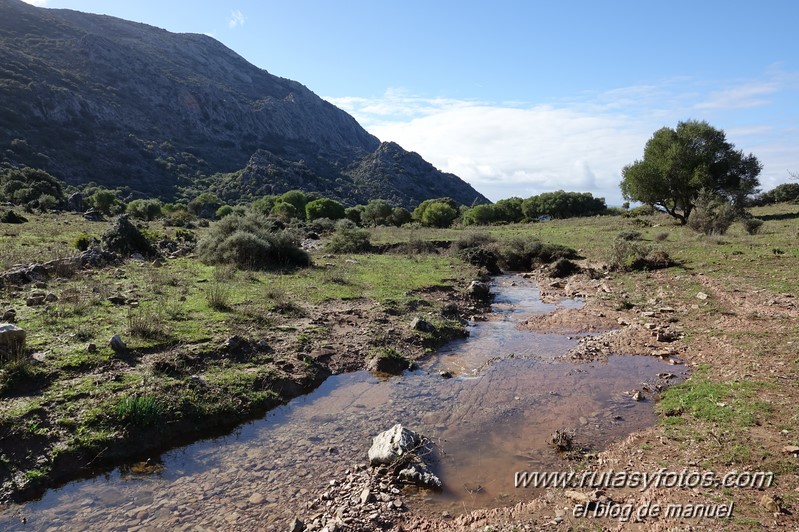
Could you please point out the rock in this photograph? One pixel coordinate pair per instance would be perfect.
(701, 295)
(117, 299)
(9, 316)
(638, 396)
(577, 496)
(366, 496)
(256, 498)
(419, 474)
(479, 290)
(563, 268)
(35, 300)
(51, 297)
(157, 263)
(422, 325)
(772, 503)
(12, 338)
(791, 449)
(392, 445)
(75, 202)
(296, 525)
(562, 440)
(93, 215)
(392, 365)
(126, 239)
(445, 375)
(91, 347)
(117, 344)
(622, 321)
(11, 217)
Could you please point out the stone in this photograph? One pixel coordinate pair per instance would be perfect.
(638, 396)
(12, 338)
(445, 375)
(771, 503)
(422, 325)
(11, 217)
(393, 444)
(366, 496)
(419, 474)
(157, 263)
(791, 449)
(117, 344)
(35, 300)
(91, 347)
(126, 239)
(479, 290)
(391, 365)
(51, 297)
(117, 299)
(701, 295)
(75, 202)
(577, 496)
(256, 498)
(296, 525)
(9, 316)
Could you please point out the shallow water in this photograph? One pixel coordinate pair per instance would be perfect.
(494, 418)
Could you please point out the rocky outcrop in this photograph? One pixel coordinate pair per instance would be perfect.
(125, 104)
(12, 338)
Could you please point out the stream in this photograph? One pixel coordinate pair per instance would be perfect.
(495, 416)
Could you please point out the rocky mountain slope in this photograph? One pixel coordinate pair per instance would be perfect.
(96, 98)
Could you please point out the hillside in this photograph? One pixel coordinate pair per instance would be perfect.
(96, 98)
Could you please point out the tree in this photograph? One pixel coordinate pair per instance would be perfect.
(377, 212)
(439, 214)
(678, 163)
(103, 200)
(418, 212)
(324, 208)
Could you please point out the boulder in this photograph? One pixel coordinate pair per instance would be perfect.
(126, 239)
(11, 217)
(392, 365)
(12, 338)
(479, 290)
(393, 445)
(117, 344)
(418, 473)
(422, 325)
(75, 202)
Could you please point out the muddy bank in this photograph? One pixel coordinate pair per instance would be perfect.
(211, 387)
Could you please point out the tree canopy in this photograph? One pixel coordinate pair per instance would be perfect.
(679, 163)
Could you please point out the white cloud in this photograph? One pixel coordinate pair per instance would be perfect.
(37, 3)
(741, 97)
(509, 149)
(236, 19)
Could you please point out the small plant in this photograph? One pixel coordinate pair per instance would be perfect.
(629, 256)
(713, 215)
(217, 294)
(662, 237)
(142, 411)
(146, 323)
(84, 242)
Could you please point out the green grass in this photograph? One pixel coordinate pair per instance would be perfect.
(141, 410)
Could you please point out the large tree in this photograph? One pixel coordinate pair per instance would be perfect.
(679, 163)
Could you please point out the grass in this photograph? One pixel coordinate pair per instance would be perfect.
(144, 410)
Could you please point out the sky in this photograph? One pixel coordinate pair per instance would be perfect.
(522, 97)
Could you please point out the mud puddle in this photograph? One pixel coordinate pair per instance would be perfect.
(493, 418)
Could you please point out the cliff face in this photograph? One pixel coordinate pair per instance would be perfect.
(96, 98)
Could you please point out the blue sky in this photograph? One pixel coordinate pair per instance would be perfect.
(523, 97)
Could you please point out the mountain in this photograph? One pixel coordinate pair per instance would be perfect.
(123, 104)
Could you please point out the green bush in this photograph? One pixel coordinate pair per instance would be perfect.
(752, 225)
(324, 208)
(252, 242)
(224, 210)
(626, 255)
(439, 215)
(142, 209)
(523, 254)
(348, 238)
(83, 242)
(28, 185)
(712, 214)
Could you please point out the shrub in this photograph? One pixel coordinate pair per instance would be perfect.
(147, 323)
(83, 242)
(376, 212)
(324, 208)
(217, 294)
(439, 214)
(473, 240)
(252, 242)
(481, 257)
(752, 225)
(348, 238)
(224, 210)
(661, 237)
(144, 209)
(322, 226)
(522, 254)
(712, 214)
(628, 255)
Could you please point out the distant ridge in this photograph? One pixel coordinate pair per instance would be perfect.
(96, 98)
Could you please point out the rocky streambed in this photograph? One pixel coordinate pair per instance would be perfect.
(488, 403)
